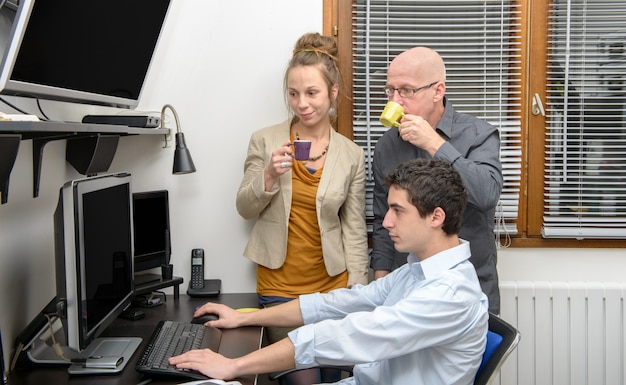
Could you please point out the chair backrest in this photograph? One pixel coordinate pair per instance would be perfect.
(502, 339)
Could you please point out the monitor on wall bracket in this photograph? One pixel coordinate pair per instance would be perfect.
(94, 52)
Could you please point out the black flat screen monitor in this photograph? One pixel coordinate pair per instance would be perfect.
(86, 51)
(151, 221)
(94, 254)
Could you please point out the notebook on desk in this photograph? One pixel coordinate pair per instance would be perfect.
(171, 338)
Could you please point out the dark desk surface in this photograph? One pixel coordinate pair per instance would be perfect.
(235, 343)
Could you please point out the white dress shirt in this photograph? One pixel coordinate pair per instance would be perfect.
(424, 323)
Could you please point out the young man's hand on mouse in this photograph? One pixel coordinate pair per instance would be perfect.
(290, 315)
(226, 316)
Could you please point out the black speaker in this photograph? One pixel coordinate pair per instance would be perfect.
(8, 153)
(91, 154)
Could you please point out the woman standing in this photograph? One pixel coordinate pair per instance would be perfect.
(310, 233)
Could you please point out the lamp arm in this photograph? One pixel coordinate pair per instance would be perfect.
(171, 108)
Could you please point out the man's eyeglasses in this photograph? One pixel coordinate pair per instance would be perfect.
(407, 92)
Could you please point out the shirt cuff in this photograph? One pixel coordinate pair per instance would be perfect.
(447, 152)
(303, 340)
(309, 308)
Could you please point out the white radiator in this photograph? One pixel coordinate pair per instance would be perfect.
(571, 333)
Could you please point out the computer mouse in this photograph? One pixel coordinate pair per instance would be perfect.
(204, 318)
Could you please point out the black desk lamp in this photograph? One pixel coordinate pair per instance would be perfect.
(183, 164)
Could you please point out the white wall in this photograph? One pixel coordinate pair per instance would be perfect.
(553, 264)
(220, 64)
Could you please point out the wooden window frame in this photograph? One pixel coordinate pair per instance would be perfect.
(337, 19)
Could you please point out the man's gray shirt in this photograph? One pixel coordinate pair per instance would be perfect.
(473, 148)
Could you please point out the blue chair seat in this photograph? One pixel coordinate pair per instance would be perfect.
(502, 339)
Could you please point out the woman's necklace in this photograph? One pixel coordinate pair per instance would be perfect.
(313, 159)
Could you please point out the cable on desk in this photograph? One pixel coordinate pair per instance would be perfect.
(163, 294)
(55, 344)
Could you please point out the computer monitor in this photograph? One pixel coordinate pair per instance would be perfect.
(93, 235)
(94, 52)
(151, 224)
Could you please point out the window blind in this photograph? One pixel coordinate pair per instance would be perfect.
(479, 41)
(585, 169)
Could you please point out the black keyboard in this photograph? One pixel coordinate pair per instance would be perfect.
(172, 338)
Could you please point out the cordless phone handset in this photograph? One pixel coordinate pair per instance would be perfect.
(197, 268)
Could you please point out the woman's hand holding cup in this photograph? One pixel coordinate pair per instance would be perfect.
(282, 159)
(280, 162)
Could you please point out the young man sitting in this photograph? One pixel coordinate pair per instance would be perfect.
(424, 323)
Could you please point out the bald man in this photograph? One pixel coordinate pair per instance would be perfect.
(432, 129)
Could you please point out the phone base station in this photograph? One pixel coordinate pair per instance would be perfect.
(212, 288)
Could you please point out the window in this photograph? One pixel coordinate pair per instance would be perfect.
(480, 44)
(507, 63)
(585, 186)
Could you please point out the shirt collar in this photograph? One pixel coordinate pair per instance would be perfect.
(445, 123)
(434, 266)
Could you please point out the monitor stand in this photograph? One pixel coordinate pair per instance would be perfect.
(117, 349)
(109, 348)
(142, 279)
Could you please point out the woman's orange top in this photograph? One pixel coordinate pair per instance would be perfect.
(303, 271)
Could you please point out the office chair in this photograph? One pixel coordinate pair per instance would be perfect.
(502, 339)
(347, 372)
